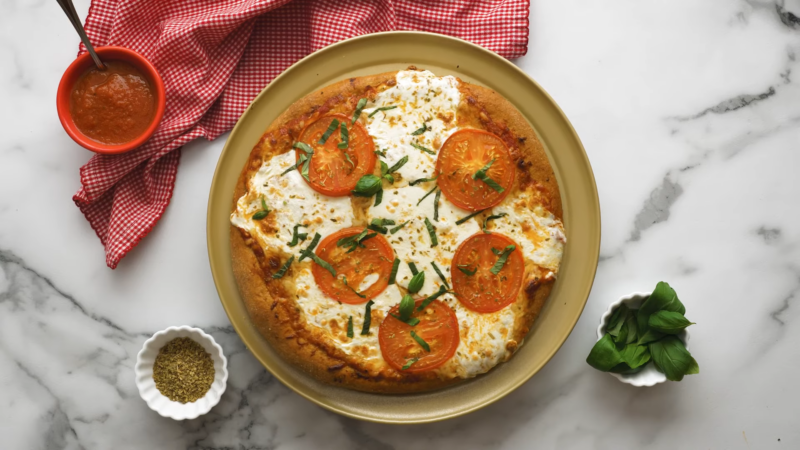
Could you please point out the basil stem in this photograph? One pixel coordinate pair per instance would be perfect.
(350, 333)
(309, 251)
(420, 341)
(502, 261)
(382, 108)
(359, 107)
(296, 237)
(465, 271)
(427, 194)
(492, 217)
(299, 162)
(283, 269)
(399, 227)
(367, 318)
(439, 272)
(393, 275)
(416, 283)
(345, 135)
(409, 363)
(422, 180)
(421, 130)
(419, 147)
(331, 128)
(431, 298)
(436, 205)
(431, 232)
(462, 220)
(406, 307)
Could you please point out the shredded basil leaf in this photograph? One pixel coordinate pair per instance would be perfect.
(406, 307)
(393, 275)
(413, 321)
(422, 180)
(350, 333)
(431, 232)
(382, 108)
(381, 153)
(413, 268)
(297, 236)
(378, 225)
(420, 341)
(345, 135)
(304, 147)
(427, 194)
(416, 283)
(480, 174)
(497, 251)
(409, 363)
(398, 164)
(421, 130)
(399, 227)
(344, 280)
(304, 169)
(439, 272)
(359, 107)
(502, 260)
(299, 162)
(347, 158)
(367, 318)
(431, 298)
(436, 205)
(378, 197)
(331, 128)
(465, 271)
(309, 251)
(283, 269)
(324, 264)
(493, 184)
(462, 220)
(492, 217)
(424, 149)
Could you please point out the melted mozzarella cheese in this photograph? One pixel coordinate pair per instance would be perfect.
(292, 202)
(420, 97)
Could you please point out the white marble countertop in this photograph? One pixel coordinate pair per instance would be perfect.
(690, 113)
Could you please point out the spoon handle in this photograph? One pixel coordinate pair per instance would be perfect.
(69, 10)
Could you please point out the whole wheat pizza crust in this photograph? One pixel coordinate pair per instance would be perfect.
(269, 302)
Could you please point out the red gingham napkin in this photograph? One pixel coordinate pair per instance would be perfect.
(216, 56)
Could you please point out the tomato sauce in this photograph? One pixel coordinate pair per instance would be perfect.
(113, 106)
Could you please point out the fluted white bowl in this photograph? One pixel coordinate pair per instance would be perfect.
(147, 386)
(649, 376)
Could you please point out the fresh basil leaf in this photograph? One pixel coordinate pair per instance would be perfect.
(309, 251)
(432, 233)
(427, 194)
(650, 336)
(424, 149)
(464, 219)
(465, 271)
(693, 368)
(384, 168)
(304, 147)
(393, 275)
(296, 237)
(604, 355)
(427, 301)
(283, 269)
(409, 363)
(634, 357)
(420, 341)
(367, 186)
(299, 162)
(396, 166)
(633, 330)
(622, 312)
(480, 174)
(344, 280)
(399, 227)
(498, 266)
(671, 357)
(260, 215)
(360, 106)
(379, 197)
(345, 137)
(350, 333)
(331, 128)
(436, 205)
(367, 318)
(406, 307)
(492, 217)
(668, 322)
(663, 298)
(413, 268)
(421, 130)
(622, 337)
(439, 272)
(388, 178)
(382, 108)
(416, 283)
(324, 264)
(422, 180)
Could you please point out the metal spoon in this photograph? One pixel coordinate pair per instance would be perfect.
(69, 10)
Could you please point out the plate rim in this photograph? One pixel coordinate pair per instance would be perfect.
(593, 253)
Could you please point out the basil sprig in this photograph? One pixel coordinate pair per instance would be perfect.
(424, 149)
(260, 215)
(382, 108)
(416, 282)
(345, 137)
(369, 185)
(420, 341)
(296, 237)
(481, 175)
(284, 268)
(498, 266)
(492, 217)
(367, 318)
(432, 233)
(361, 104)
(635, 337)
(406, 309)
(331, 128)
(421, 130)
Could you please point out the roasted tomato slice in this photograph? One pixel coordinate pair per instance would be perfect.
(476, 286)
(370, 260)
(465, 153)
(334, 171)
(438, 327)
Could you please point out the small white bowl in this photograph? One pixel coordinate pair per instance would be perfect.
(649, 376)
(147, 386)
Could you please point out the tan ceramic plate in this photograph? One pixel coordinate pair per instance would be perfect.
(384, 52)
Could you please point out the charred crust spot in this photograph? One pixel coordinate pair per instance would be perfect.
(522, 140)
(471, 100)
(352, 80)
(522, 164)
(274, 262)
(335, 367)
(412, 67)
(531, 287)
(274, 304)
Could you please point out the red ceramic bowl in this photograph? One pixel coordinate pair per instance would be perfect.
(81, 65)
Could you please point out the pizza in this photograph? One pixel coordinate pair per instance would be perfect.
(398, 232)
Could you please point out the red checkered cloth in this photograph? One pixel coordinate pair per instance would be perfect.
(216, 56)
